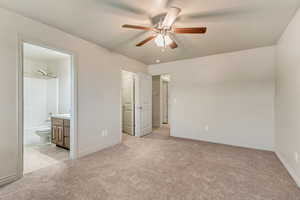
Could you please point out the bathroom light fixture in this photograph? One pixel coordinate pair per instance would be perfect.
(163, 40)
(46, 74)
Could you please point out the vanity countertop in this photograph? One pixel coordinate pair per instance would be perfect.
(62, 116)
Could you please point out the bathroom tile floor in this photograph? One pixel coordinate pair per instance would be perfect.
(40, 156)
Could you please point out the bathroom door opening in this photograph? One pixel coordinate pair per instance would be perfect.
(46, 106)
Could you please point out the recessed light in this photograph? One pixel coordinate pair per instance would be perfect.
(157, 61)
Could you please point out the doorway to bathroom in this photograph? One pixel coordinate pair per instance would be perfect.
(47, 107)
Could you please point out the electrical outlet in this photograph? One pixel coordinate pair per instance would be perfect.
(206, 128)
(103, 132)
(296, 157)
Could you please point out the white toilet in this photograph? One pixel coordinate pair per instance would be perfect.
(45, 133)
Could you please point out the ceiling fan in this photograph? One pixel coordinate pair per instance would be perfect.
(164, 30)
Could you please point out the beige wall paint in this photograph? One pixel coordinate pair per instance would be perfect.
(225, 98)
(287, 134)
(99, 86)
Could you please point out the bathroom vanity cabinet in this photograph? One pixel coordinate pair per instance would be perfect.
(60, 132)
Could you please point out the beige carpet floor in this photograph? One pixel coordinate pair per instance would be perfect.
(158, 167)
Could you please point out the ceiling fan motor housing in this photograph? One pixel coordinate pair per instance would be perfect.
(171, 17)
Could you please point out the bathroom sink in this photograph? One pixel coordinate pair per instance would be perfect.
(62, 116)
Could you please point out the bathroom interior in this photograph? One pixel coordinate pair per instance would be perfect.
(47, 107)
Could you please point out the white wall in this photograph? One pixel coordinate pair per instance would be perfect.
(287, 135)
(226, 98)
(99, 87)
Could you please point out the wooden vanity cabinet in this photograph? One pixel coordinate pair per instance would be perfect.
(60, 132)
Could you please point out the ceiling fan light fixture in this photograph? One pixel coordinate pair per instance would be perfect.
(163, 40)
(162, 32)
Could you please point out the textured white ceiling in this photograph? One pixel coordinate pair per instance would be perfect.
(232, 24)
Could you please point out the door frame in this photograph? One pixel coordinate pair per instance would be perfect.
(20, 107)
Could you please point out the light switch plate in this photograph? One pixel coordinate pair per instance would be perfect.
(104, 132)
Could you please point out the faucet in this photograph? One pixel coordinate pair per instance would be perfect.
(49, 116)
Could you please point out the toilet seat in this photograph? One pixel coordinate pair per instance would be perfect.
(43, 130)
(45, 134)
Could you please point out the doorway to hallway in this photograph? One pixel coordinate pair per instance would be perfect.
(160, 99)
(136, 103)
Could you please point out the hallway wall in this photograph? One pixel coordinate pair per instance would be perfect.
(287, 132)
(226, 98)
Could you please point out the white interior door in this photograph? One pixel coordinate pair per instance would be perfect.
(143, 104)
(128, 102)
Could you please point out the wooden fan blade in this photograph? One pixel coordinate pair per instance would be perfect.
(137, 27)
(146, 40)
(196, 30)
(173, 45)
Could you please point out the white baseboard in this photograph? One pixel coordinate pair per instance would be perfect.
(289, 168)
(224, 143)
(95, 149)
(8, 179)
